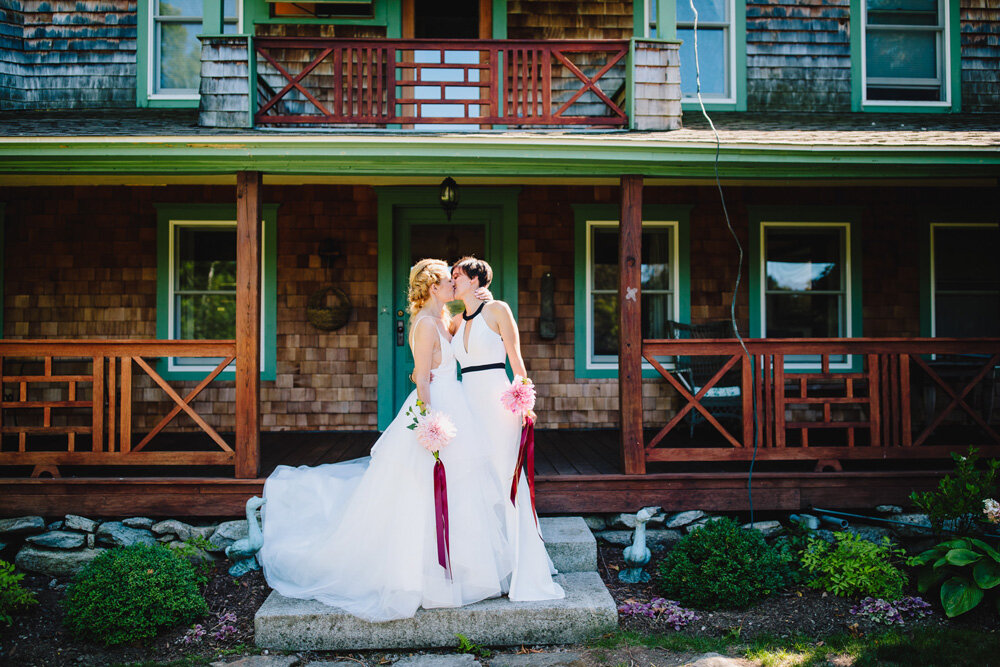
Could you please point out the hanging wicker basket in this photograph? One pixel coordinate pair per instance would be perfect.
(328, 308)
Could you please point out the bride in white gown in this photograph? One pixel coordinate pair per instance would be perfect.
(361, 535)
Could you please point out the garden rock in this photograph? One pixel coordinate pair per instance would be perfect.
(57, 539)
(699, 524)
(871, 533)
(766, 528)
(196, 556)
(227, 533)
(173, 527)
(656, 540)
(91, 540)
(913, 524)
(22, 524)
(55, 525)
(114, 533)
(595, 522)
(54, 562)
(262, 661)
(683, 519)
(203, 531)
(555, 659)
(435, 660)
(889, 509)
(138, 522)
(75, 522)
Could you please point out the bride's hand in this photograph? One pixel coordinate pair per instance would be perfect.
(483, 294)
(529, 414)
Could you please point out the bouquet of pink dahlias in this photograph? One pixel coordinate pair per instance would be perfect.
(520, 396)
(434, 429)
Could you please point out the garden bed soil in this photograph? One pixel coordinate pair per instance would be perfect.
(37, 636)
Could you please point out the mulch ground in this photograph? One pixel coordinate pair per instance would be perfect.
(37, 636)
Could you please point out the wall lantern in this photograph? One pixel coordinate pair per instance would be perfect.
(448, 195)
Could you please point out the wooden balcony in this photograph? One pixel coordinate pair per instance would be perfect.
(414, 82)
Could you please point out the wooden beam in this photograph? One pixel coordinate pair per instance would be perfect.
(248, 235)
(630, 326)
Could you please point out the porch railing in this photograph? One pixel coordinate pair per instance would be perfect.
(77, 398)
(415, 81)
(833, 399)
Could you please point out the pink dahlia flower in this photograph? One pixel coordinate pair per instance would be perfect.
(434, 431)
(520, 397)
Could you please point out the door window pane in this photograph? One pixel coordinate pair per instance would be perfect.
(966, 281)
(205, 282)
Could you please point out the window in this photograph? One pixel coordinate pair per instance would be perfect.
(196, 283)
(716, 49)
(651, 9)
(175, 64)
(665, 294)
(804, 280)
(905, 54)
(965, 280)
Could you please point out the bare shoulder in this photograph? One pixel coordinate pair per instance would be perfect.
(498, 309)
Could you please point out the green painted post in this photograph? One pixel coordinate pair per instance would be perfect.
(213, 12)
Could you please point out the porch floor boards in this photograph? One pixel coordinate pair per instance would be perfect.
(576, 472)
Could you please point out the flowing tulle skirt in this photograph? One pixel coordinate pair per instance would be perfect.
(360, 535)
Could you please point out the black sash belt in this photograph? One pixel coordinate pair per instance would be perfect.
(484, 367)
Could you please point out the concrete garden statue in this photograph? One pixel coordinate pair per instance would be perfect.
(637, 554)
(244, 551)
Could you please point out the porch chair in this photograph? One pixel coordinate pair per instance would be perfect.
(723, 400)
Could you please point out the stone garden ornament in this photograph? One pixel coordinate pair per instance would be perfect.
(637, 554)
(244, 551)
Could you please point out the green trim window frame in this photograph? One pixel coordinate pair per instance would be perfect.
(383, 13)
(905, 56)
(796, 271)
(172, 221)
(671, 223)
(176, 24)
(3, 255)
(962, 280)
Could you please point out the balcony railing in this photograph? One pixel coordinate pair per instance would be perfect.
(830, 400)
(448, 82)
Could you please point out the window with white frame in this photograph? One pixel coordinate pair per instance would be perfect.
(905, 51)
(716, 49)
(202, 286)
(651, 8)
(805, 287)
(176, 50)
(659, 283)
(965, 280)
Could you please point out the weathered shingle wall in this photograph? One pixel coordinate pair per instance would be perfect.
(798, 55)
(70, 53)
(980, 55)
(11, 45)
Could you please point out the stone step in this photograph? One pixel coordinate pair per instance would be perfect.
(587, 610)
(570, 543)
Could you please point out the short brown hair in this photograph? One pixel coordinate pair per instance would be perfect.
(475, 268)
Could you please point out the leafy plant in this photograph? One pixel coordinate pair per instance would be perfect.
(853, 567)
(668, 611)
(891, 613)
(195, 550)
(790, 546)
(465, 645)
(720, 566)
(965, 569)
(13, 595)
(131, 593)
(961, 494)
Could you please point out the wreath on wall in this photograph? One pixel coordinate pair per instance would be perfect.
(329, 308)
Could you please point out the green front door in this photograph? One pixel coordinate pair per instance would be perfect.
(421, 233)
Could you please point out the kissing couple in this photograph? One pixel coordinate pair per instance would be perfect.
(366, 535)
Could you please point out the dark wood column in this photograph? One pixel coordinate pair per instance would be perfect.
(630, 326)
(248, 234)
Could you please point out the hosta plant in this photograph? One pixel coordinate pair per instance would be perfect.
(967, 571)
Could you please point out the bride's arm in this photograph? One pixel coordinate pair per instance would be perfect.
(423, 353)
(504, 319)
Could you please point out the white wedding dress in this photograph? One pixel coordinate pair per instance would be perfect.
(532, 569)
(361, 535)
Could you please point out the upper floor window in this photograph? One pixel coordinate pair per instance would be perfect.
(965, 280)
(905, 52)
(175, 47)
(716, 49)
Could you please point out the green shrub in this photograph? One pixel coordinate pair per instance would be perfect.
(13, 596)
(853, 567)
(966, 570)
(960, 494)
(131, 593)
(790, 548)
(720, 566)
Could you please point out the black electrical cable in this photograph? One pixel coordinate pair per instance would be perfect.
(739, 269)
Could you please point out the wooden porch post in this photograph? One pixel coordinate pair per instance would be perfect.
(630, 326)
(248, 233)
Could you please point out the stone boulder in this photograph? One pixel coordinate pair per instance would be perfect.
(22, 524)
(83, 524)
(656, 540)
(57, 539)
(595, 522)
(227, 533)
(683, 519)
(173, 527)
(55, 562)
(913, 525)
(766, 528)
(138, 522)
(116, 534)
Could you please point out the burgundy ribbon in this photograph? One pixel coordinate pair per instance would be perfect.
(441, 517)
(526, 459)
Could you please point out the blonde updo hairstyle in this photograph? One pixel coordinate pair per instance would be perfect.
(425, 274)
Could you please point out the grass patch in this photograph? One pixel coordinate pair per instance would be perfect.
(670, 642)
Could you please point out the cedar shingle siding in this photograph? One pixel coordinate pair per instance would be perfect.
(980, 55)
(58, 54)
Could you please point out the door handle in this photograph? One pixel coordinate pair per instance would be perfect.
(399, 333)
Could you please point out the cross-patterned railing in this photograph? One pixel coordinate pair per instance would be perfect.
(831, 399)
(85, 391)
(414, 82)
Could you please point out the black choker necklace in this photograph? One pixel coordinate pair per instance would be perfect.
(478, 310)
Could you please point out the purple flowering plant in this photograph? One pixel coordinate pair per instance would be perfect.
(223, 628)
(892, 613)
(668, 611)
